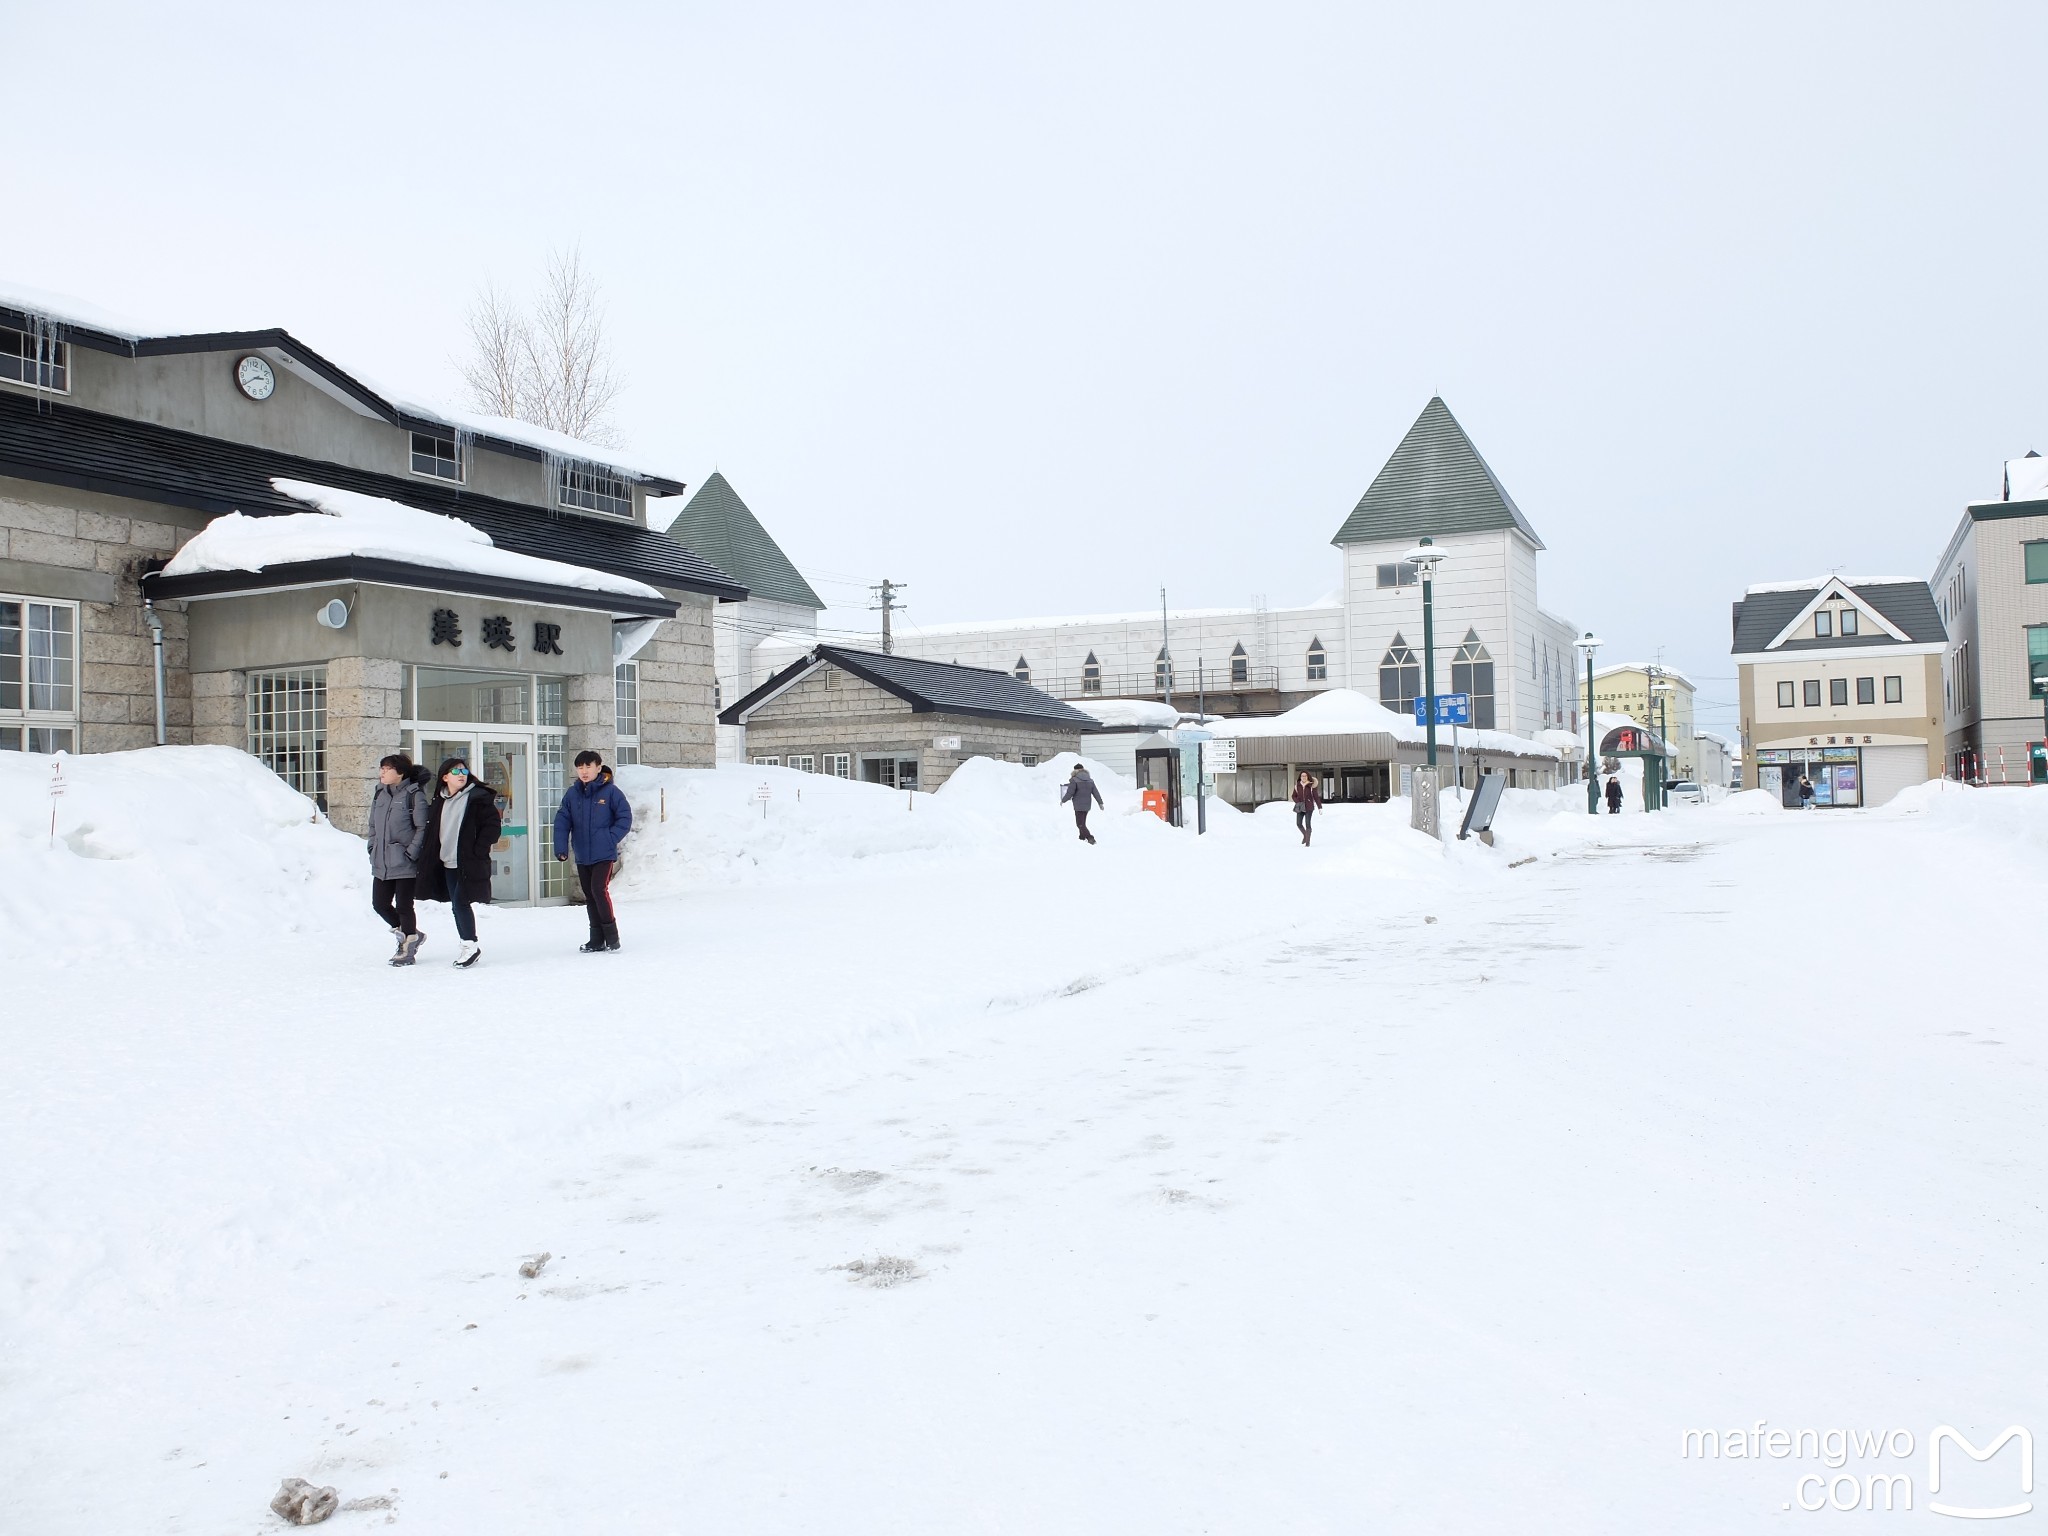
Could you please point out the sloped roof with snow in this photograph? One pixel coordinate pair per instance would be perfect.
(1434, 483)
(928, 687)
(1765, 610)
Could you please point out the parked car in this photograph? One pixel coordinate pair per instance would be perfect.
(1684, 792)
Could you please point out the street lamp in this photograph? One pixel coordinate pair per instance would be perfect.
(1586, 647)
(1424, 558)
(1661, 692)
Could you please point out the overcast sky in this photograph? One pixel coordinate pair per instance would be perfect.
(1038, 308)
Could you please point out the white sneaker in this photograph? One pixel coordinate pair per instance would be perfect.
(468, 957)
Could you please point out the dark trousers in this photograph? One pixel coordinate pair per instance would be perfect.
(596, 880)
(1081, 823)
(1302, 820)
(1614, 807)
(465, 914)
(392, 901)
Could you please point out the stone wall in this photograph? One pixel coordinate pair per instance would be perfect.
(365, 701)
(832, 711)
(677, 721)
(90, 549)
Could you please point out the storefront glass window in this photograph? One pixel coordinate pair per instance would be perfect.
(487, 698)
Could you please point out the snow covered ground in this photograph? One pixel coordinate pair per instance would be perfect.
(918, 1169)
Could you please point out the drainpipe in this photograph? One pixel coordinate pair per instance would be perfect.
(156, 642)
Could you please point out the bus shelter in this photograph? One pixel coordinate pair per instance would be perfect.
(1645, 745)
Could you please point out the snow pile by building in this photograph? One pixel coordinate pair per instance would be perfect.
(1347, 712)
(349, 523)
(165, 848)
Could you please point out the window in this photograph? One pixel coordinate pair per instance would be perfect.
(36, 357)
(1400, 574)
(38, 676)
(767, 762)
(626, 702)
(595, 490)
(1866, 690)
(1162, 671)
(1823, 625)
(1472, 672)
(1091, 675)
(1318, 662)
(1022, 671)
(288, 727)
(1810, 691)
(1240, 665)
(436, 456)
(1400, 678)
(1847, 626)
(1784, 695)
(2036, 552)
(838, 764)
(803, 762)
(1838, 692)
(1894, 690)
(890, 772)
(1029, 759)
(2037, 660)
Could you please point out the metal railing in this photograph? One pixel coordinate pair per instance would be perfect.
(1145, 685)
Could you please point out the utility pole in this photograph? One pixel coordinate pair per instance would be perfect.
(1202, 721)
(1165, 649)
(887, 593)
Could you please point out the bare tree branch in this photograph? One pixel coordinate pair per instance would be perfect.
(498, 349)
(553, 367)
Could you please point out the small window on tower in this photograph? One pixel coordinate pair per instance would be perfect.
(1318, 662)
(1240, 665)
(1022, 671)
(1091, 675)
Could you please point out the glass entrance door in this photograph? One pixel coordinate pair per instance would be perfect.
(507, 766)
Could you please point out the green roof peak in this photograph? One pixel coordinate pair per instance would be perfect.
(1434, 483)
(716, 524)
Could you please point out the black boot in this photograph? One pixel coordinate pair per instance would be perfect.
(611, 937)
(594, 945)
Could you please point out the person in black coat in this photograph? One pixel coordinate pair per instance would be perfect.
(463, 825)
(1308, 799)
(1614, 797)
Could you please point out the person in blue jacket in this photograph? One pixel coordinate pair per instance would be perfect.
(593, 820)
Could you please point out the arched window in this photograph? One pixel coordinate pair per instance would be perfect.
(1022, 671)
(1091, 675)
(1472, 672)
(1400, 678)
(1162, 671)
(1240, 665)
(1318, 663)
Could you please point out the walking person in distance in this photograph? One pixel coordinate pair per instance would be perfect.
(1080, 792)
(1805, 793)
(593, 819)
(463, 826)
(1308, 799)
(1614, 797)
(398, 839)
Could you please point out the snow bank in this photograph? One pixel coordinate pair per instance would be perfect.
(1345, 712)
(350, 523)
(166, 848)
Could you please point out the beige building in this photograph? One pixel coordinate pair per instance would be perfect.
(899, 721)
(1992, 589)
(1625, 689)
(1840, 687)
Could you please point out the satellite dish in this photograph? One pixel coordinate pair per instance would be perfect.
(333, 614)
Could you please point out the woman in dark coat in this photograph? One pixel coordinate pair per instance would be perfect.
(463, 826)
(1614, 797)
(1308, 799)
(398, 837)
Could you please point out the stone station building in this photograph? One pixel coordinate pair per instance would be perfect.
(575, 625)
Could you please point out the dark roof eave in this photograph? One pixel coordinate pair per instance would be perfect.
(399, 573)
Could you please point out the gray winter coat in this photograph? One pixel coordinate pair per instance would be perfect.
(1078, 791)
(398, 830)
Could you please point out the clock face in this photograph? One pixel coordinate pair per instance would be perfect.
(254, 377)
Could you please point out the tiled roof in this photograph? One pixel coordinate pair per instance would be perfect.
(1435, 483)
(1760, 616)
(58, 444)
(930, 687)
(723, 529)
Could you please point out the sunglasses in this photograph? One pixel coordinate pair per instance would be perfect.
(458, 773)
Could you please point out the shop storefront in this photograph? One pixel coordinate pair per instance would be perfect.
(1847, 770)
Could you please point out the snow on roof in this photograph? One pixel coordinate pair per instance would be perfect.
(62, 308)
(350, 523)
(1078, 620)
(1122, 714)
(1642, 666)
(1346, 712)
(1815, 583)
(2026, 479)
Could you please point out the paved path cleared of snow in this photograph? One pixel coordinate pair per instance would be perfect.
(1192, 1189)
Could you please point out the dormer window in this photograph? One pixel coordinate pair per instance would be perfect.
(1240, 665)
(37, 358)
(594, 490)
(438, 456)
(1091, 675)
(1823, 624)
(1022, 671)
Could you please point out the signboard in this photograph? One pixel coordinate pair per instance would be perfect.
(1480, 808)
(946, 743)
(1219, 755)
(1451, 709)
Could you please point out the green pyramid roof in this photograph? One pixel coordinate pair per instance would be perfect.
(1434, 484)
(716, 524)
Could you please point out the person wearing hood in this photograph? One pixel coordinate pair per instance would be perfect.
(593, 820)
(398, 836)
(1080, 791)
(1614, 797)
(463, 826)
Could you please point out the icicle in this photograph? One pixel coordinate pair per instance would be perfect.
(45, 337)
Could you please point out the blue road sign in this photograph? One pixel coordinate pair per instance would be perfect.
(1451, 709)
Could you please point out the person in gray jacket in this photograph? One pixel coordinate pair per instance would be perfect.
(1080, 792)
(398, 833)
